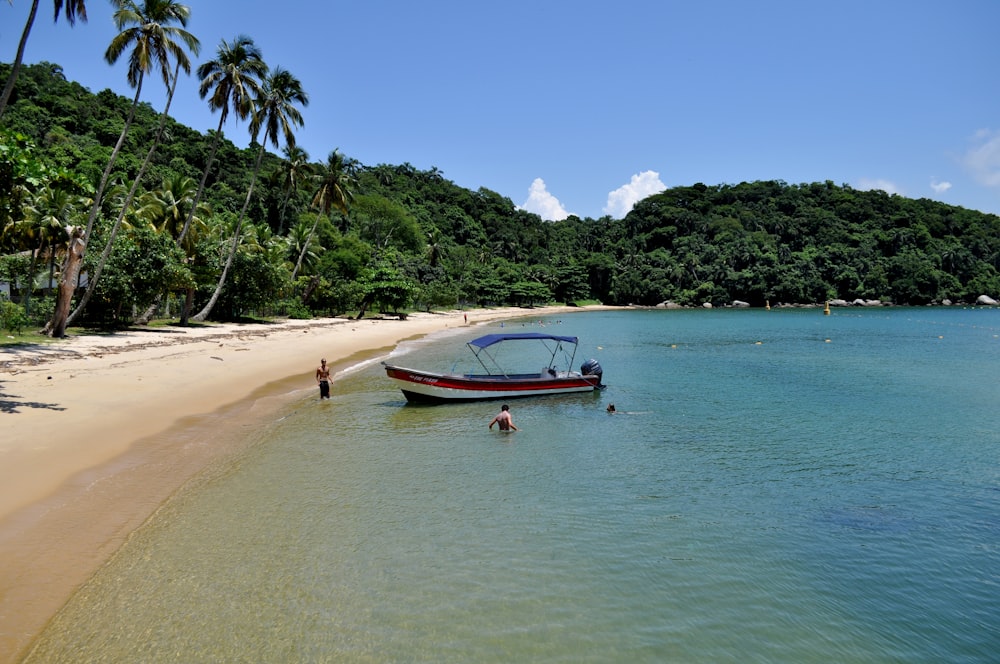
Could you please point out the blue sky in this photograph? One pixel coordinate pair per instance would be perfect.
(582, 107)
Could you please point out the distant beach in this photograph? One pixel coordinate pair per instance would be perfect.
(100, 430)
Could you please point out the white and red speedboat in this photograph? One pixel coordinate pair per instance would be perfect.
(496, 383)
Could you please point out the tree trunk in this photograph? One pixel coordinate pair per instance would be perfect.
(150, 311)
(98, 197)
(313, 283)
(365, 303)
(16, 69)
(305, 248)
(67, 284)
(189, 299)
(203, 314)
(284, 207)
(92, 284)
(188, 303)
(60, 319)
(201, 185)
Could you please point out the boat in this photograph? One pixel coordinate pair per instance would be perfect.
(496, 383)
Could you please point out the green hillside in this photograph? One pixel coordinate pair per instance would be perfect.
(326, 234)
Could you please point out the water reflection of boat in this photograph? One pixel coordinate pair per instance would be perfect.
(556, 377)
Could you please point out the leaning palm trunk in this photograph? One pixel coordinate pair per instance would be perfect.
(310, 287)
(189, 300)
(284, 207)
(204, 313)
(186, 309)
(92, 283)
(60, 317)
(106, 176)
(201, 185)
(16, 69)
(67, 284)
(305, 248)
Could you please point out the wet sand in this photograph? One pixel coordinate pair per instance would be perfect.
(96, 432)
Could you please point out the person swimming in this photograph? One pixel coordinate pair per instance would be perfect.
(503, 419)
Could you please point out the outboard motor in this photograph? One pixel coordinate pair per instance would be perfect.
(593, 368)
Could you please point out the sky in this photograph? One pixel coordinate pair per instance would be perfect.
(577, 107)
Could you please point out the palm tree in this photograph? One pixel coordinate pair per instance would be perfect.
(384, 174)
(295, 166)
(336, 190)
(434, 247)
(275, 113)
(146, 28)
(297, 241)
(233, 79)
(50, 210)
(92, 282)
(74, 8)
(168, 207)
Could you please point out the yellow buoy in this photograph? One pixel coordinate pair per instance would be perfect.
(826, 309)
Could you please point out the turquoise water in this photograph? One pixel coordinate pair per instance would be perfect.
(777, 486)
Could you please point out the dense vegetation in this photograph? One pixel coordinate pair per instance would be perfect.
(334, 236)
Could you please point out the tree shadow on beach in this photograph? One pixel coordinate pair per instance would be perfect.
(11, 403)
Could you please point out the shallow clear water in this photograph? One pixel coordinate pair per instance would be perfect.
(778, 486)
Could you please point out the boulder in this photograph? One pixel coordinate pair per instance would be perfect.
(986, 299)
(740, 304)
(839, 303)
(707, 305)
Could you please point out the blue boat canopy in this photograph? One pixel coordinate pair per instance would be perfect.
(490, 339)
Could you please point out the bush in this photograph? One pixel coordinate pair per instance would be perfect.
(12, 317)
(42, 309)
(296, 310)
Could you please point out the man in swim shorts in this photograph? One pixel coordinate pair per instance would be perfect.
(323, 378)
(503, 420)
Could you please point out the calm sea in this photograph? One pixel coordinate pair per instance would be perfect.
(777, 486)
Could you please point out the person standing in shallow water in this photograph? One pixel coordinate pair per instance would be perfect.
(503, 419)
(323, 378)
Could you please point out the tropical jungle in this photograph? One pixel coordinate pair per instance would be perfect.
(113, 214)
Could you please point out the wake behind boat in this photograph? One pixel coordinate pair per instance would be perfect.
(556, 377)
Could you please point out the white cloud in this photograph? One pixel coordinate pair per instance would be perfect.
(542, 203)
(983, 158)
(623, 199)
(867, 184)
(939, 187)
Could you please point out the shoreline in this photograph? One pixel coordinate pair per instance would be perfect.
(102, 430)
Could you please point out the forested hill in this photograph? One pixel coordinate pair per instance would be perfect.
(413, 238)
(807, 243)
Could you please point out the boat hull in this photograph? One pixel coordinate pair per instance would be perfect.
(428, 387)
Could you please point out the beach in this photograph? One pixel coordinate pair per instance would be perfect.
(98, 431)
